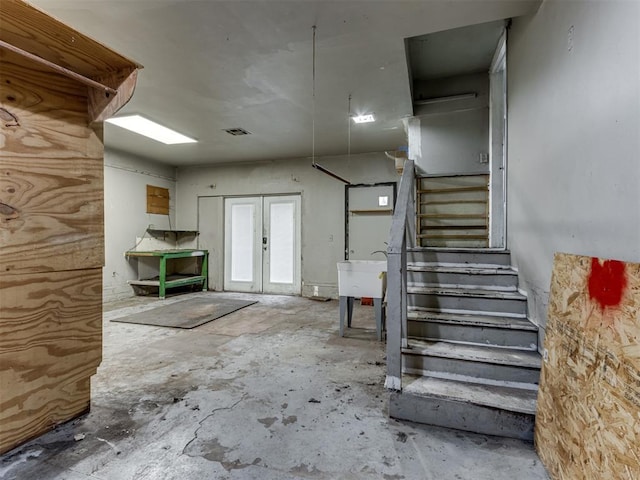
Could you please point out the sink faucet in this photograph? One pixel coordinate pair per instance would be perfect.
(380, 251)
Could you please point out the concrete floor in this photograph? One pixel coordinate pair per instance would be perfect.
(268, 392)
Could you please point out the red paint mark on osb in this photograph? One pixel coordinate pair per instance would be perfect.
(607, 282)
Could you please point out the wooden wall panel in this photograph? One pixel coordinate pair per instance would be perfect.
(157, 200)
(24, 25)
(50, 345)
(51, 215)
(588, 420)
(51, 174)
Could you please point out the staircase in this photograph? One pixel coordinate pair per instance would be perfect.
(470, 359)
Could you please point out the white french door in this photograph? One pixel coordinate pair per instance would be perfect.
(281, 245)
(242, 244)
(262, 244)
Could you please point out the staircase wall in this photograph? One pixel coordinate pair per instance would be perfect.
(573, 143)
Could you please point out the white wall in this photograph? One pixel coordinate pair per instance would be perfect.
(449, 137)
(125, 205)
(573, 138)
(322, 204)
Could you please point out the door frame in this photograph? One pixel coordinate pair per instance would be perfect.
(346, 207)
(498, 124)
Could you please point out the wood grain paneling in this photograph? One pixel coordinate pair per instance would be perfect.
(50, 345)
(51, 176)
(157, 200)
(25, 26)
(102, 105)
(50, 113)
(588, 418)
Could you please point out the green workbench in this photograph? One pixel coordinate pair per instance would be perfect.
(163, 283)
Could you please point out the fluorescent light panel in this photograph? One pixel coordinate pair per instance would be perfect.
(364, 118)
(450, 98)
(143, 126)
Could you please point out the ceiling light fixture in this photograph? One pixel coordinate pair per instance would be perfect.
(363, 118)
(449, 98)
(143, 126)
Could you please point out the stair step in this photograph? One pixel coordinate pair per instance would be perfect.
(522, 400)
(479, 320)
(472, 353)
(471, 269)
(484, 409)
(467, 299)
(464, 292)
(513, 332)
(423, 357)
(488, 256)
(497, 277)
(460, 250)
(463, 284)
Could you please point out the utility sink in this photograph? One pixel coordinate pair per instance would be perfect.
(362, 278)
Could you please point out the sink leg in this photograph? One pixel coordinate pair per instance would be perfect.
(377, 305)
(346, 308)
(343, 309)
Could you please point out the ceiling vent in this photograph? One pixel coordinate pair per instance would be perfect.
(237, 131)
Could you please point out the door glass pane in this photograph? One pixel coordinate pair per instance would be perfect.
(242, 243)
(281, 238)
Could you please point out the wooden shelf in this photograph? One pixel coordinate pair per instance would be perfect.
(453, 227)
(373, 211)
(453, 201)
(483, 188)
(181, 253)
(453, 215)
(158, 232)
(452, 237)
(170, 282)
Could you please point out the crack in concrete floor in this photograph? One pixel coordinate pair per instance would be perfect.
(195, 434)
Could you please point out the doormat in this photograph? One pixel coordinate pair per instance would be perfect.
(187, 314)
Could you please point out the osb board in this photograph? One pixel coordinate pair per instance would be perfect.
(51, 173)
(50, 345)
(157, 200)
(588, 419)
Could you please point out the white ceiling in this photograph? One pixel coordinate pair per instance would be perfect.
(212, 65)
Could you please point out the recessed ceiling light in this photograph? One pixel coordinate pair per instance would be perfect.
(143, 126)
(364, 118)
